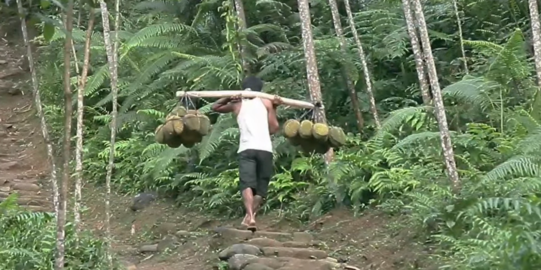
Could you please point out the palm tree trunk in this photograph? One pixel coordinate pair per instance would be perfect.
(445, 136)
(351, 88)
(362, 56)
(80, 125)
(417, 52)
(111, 59)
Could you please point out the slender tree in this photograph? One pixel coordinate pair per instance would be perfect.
(461, 37)
(351, 87)
(445, 136)
(417, 52)
(80, 125)
(242, 24)
(314, 87)
(312, 72)
(364, 64)
(39, 109)
(113, 69)
(116, 40)
(536, 32)
(68, 112)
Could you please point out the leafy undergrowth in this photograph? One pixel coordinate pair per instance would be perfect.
(28, 241)
(372, 240)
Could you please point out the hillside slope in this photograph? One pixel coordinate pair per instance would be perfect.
(165, 237)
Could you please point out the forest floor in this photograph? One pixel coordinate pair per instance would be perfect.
(370, 241)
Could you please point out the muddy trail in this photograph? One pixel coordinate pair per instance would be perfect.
(166, 237)
(23, 159)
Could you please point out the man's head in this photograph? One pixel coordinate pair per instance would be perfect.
(252, 82)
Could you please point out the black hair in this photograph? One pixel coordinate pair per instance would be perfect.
(252, 82)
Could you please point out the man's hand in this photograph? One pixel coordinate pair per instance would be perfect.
(277, 100)
(235, 99)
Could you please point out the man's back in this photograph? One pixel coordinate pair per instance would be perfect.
(254, 126)
(257, 120)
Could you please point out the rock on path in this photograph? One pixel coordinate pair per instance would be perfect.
(23, 159)
(274, 251)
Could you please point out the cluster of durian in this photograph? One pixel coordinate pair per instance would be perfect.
(183, 127)
(313, 137)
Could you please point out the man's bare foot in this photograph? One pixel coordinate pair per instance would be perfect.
(245, 222)
(249, 223)
(251, 226)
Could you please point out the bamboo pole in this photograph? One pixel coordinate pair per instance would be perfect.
(244, 94)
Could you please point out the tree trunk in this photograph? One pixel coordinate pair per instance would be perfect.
(80, 125)
(242, 24)
(312, 72)
(362, 56)
(39, 109)
(351, 88)
(417, 52)
(446, 143)
(536, 31)
(314, 86)
(111, 59)
(459, 23)
(116, 40)
(68, 111)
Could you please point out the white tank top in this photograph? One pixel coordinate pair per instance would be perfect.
(253, 121)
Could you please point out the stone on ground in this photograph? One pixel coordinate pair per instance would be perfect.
(274, 251)
(239, 249)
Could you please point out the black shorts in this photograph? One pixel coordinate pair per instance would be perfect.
(256, 168)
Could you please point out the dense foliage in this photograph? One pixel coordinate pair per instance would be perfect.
(494, 112)
(28, 241)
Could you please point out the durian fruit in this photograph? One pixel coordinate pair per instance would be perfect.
(159, 136)
(320, 132)
(191, 137)
(179, 111)
(191, 122)
(337, 137)
(188, 145)
(175, 142)
(204, 124)
(291, 128)
(305, 129)
(308, 146)
(168, 130)
(322, 148)
(295, 141)
(178, 125)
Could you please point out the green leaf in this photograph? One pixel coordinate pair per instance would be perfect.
(44, 4)
(48, 31)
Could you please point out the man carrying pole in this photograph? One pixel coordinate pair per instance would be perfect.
(257, 121)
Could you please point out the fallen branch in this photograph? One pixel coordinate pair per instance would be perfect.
(244, 94)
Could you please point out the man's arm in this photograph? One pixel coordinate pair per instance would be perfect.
(223, 105)
(274, 126)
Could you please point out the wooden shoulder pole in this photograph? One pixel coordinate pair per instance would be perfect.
(246, 94)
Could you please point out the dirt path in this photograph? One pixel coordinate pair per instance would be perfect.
(23, 162)
(166, 237)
